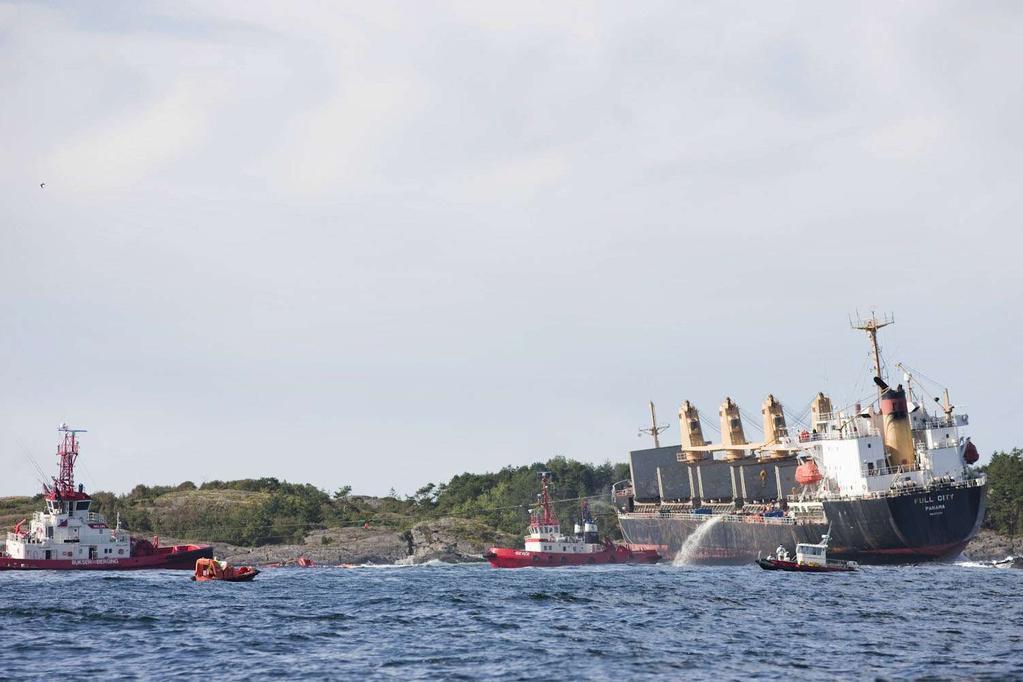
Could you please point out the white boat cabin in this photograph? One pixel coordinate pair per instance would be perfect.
(67, 530)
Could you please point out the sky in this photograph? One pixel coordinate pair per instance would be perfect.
(380, 244)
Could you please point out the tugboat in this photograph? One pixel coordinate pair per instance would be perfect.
(546, 546)
(68, 535)
(810, 558)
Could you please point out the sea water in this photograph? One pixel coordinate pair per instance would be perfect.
(475, 622)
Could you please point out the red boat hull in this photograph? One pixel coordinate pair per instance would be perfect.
(181, 557)
(504, 557)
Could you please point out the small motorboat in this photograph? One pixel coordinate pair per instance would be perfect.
(212, 569)
(810, 558)
(1009, 562)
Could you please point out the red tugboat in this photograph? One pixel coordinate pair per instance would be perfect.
(546, 546)
(67, 535)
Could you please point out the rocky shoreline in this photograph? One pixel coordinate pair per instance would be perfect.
(450, 540)
(454, 540)
(992, 546)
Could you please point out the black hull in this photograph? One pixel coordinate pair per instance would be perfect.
(932, 525)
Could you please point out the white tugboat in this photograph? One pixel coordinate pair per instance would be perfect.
(68, 535)
(810, 558)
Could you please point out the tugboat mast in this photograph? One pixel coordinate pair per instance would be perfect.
(549, 518)
(64, 484)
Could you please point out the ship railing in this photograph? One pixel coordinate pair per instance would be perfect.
(621, 488)
(850, 432)
(726, 518)
(938, 423)
(868, 470)
(902, 490)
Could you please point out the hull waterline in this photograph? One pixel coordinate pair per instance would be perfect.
(903, 529)
(179, 557)
(503, 557)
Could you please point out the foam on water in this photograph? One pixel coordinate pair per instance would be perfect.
(687, 553)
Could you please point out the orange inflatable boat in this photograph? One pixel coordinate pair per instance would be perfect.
(211, 569)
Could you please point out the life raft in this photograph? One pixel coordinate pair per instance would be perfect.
(211, 569)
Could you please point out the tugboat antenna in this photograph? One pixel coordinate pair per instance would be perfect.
(655, 429)
(871, 326)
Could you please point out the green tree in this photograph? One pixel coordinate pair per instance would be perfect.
(1005, 491)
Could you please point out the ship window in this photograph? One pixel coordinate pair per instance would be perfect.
(83, 506)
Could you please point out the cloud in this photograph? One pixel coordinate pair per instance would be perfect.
(907, 138)
(517, 179)
(129, 147)
(340, 146)
(410, 217)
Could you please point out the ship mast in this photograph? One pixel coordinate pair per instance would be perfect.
(549, 518)
(64, 484)
(871, 326)
(655, 429)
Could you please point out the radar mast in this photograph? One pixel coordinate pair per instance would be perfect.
(654, 429)
(871, 326)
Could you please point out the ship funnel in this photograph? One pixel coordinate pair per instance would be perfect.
(820, 411)
(898, 435)
(731, 429)
(692, 432)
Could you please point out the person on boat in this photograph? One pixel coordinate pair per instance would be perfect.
(781, 554)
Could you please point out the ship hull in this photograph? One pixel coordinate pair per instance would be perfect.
(179, 557)
(505, 557)
(932, 525)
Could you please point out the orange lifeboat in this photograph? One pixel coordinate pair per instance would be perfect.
(211, 569)
(807, 473)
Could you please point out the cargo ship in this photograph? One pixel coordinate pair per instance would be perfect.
(69, 535)
(547, 546)
(892, 478)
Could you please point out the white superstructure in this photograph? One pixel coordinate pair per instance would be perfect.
(68, 530)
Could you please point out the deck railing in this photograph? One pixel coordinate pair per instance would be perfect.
(653, 510)
(726, 518)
